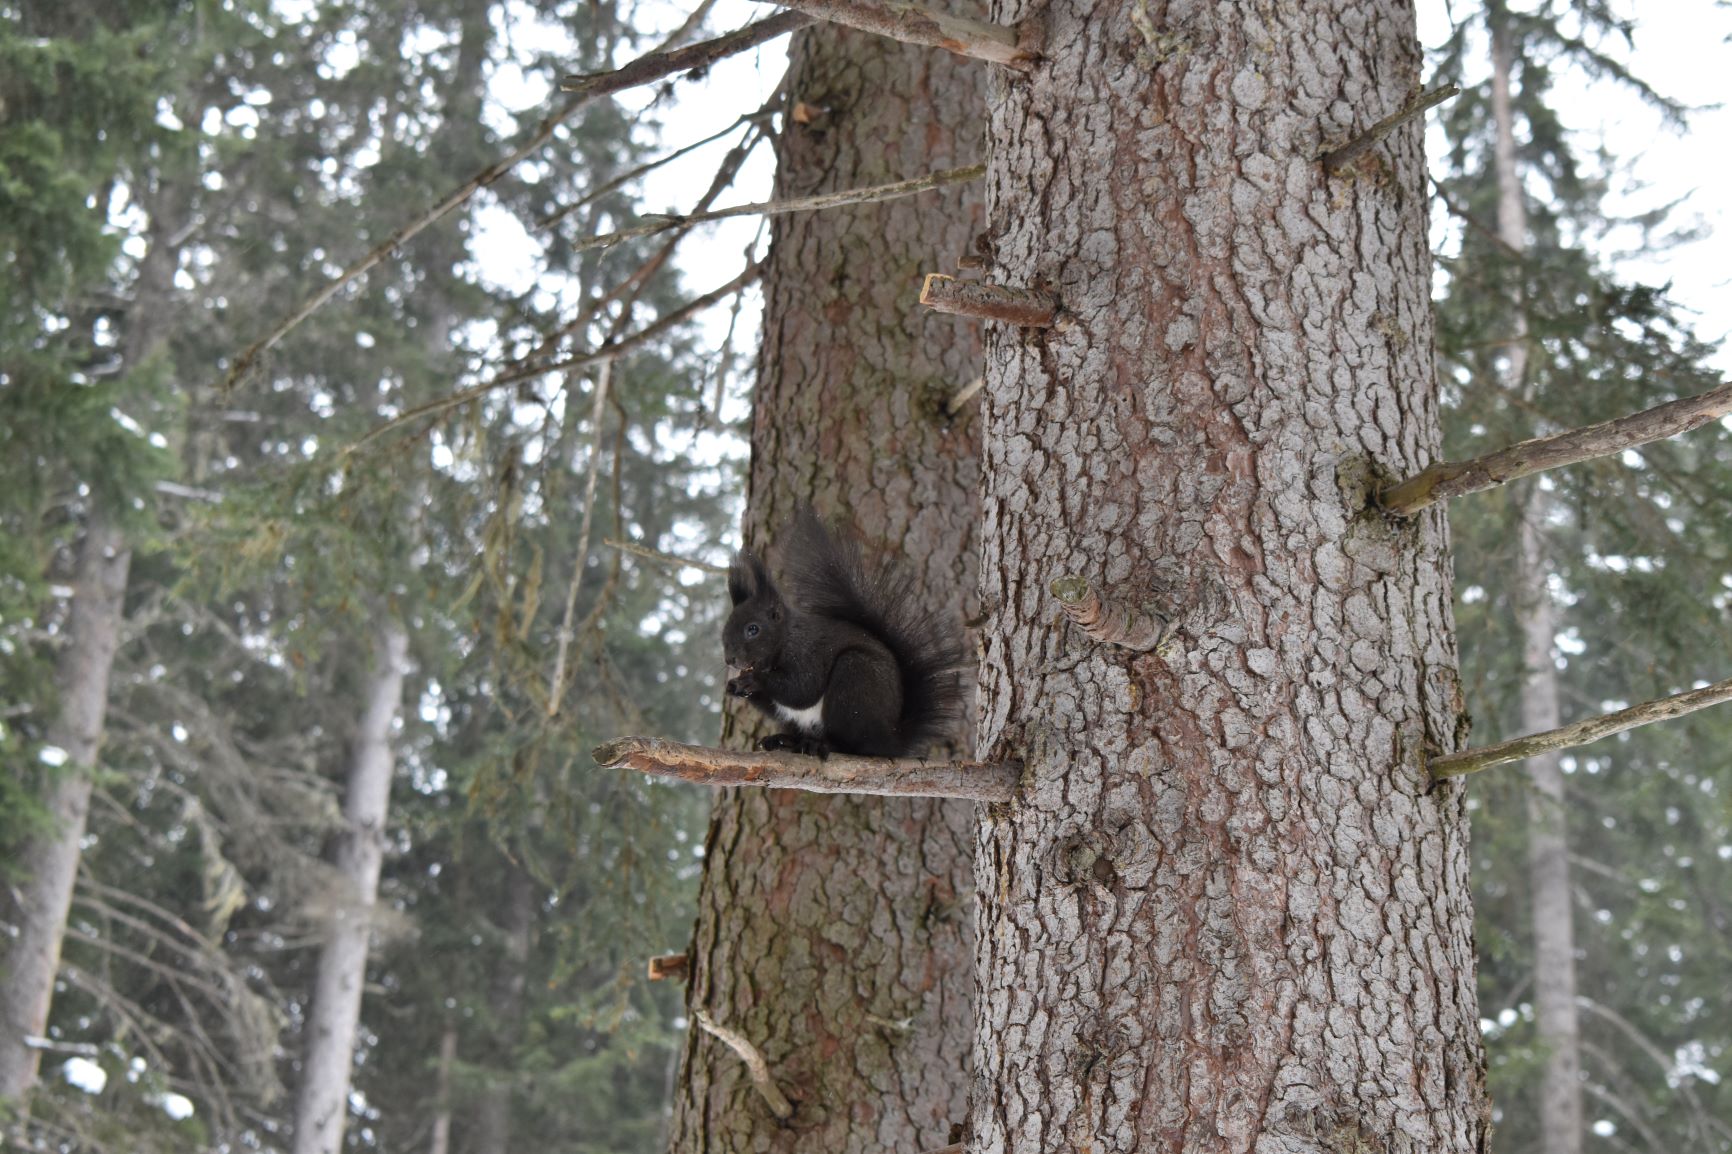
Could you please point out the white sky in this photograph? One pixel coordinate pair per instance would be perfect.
(1681, 48)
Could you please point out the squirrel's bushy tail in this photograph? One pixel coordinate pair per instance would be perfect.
(824, 574)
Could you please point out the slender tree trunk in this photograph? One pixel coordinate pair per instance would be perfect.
(31, 958)
(1548, 850)
(45, 895)
(834, 934)
(1229, 912)
(322, 1107)
(505, 999)
(440, 1142)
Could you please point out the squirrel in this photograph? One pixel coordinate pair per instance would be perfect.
(846, 659)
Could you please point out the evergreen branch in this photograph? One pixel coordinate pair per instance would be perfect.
(838, 773)
(1582, 732)
(1449, 479)
(1338, 158)
(870, 195)
(928, 28)
(586, 89)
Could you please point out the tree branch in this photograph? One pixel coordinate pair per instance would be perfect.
(1338, 158)
(1449, 479)
(839, 773)
(760, 1069)
(911, 23)
(670, 559)
(1138, 628)
(587, 89)
(1025, 307)
(556, 680)
(1582, 732)
(870, 195)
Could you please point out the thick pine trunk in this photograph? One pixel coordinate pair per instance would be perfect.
(44, 896)
(1228, 913)
(835, 933)
(1548, 850)
(322, 1105)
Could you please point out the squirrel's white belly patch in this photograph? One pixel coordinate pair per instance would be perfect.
(809, 719)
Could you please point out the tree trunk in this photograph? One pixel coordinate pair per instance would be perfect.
(505, 1002)
(1229, 912)
(45, 895)
(440, 1141)
(322, 1107)
(1548, 851)
(834, 933)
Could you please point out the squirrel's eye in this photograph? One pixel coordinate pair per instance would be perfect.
(751, 630)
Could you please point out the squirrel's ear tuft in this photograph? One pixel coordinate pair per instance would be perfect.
(746, 576)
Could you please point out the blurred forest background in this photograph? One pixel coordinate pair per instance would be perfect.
(390, 549)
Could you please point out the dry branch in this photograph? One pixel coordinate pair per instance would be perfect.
(1107, 622)
(1582, 732)
(649, 554)
(760, 1069)
(1025, 307)
(662, 967)
(1338, 158)
(870, 195)
(556, 680)
(839, 773)
(1449, 479)
(928, 28)
(586, 89)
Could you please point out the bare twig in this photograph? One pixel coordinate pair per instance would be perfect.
(644, 70)
(1025, 307)
(647, 166)
(870, 195)
(556, 680)
(649, 554)
(1582, 732)
(511, 375)
(964, 395)
(1107, 622)
(1338, 158)
(878, 776)
(1449, 479)
(760, 1069)
(929, 28)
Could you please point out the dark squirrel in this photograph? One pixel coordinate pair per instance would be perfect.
(841, 652)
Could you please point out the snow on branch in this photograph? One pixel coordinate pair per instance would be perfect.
(1336, 159)
(1449, 479)
(1582, 732)
(645, 69)
(910, 23)
(838, 773)
(991, 302)
(869, 195)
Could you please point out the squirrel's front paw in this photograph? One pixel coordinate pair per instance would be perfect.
(745, 685)
(794, 743)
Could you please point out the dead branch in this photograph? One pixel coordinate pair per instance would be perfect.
(521, 372)
(1105, 621)
(1582, 732)
(587, 89)
(662, 967)
(871, 195)
(760, 1069)
(1338, 158)
(838, 773)
(928, 28)
(649, 554)
(964, 395)
(1448, 479)
(556, 682)
(1024, 307)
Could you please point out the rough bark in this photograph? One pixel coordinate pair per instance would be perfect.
(834, 933)
(1227, 913)
(322, 1105)
(1548, 849)
(44, 896)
